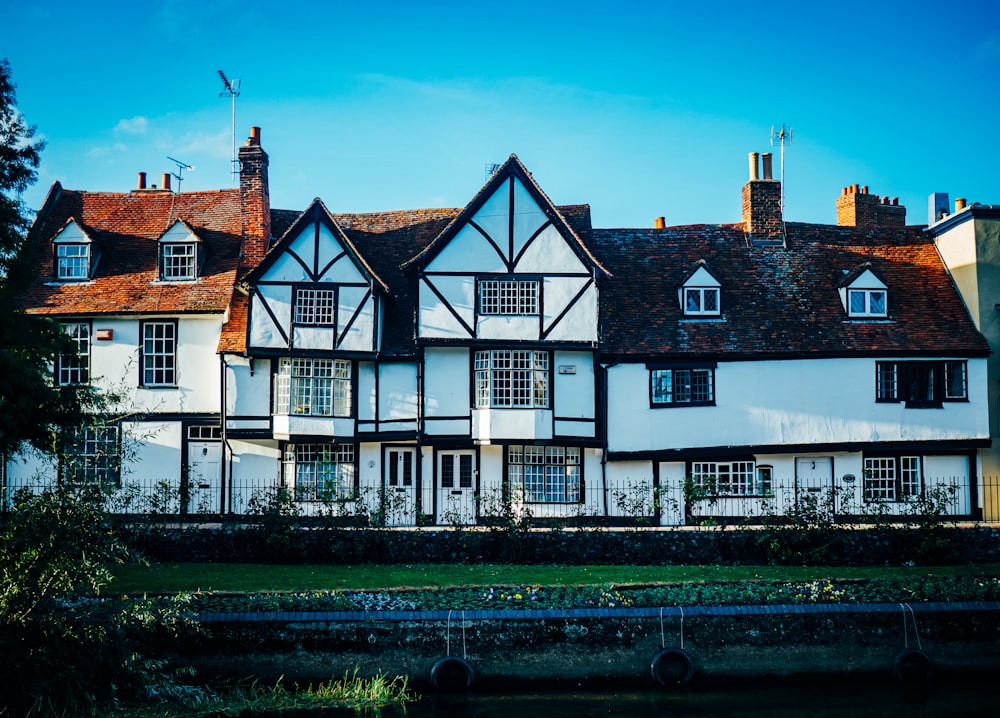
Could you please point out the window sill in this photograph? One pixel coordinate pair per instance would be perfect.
(680, 404)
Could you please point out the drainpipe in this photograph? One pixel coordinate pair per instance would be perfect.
(227, 452)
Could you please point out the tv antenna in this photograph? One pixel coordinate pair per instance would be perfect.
(181, 166)
(491, 169)
(233, 90)
(781, 134)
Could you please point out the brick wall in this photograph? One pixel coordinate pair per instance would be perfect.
(255, 201)
(762, 207)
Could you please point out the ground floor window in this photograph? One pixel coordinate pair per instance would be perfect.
(92, 455)
(545, 474)
(319, 472)
(732, 478)
(892, 478)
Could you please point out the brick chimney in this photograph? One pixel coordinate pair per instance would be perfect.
(762, 202)
(857, 208)
(255, 201)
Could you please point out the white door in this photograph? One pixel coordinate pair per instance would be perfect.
(456, 486)
(400, 486)
(814, 482)
(204, 464)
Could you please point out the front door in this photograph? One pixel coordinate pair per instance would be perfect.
(456, 487)
(400, 486)
(814, 484)
(204, 464)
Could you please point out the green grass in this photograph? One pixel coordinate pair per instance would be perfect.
(254, 578)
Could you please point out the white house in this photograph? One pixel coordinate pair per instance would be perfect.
(433, 366)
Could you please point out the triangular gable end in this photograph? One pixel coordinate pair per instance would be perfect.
(72, 233)
(505, 216)
(180, 231)
(319, 259)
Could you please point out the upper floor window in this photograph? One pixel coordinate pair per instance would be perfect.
(728, 478)
(319, 472)
(159, 354)
(315, 306)
(178, 261)
(682, 386)
(866, 303)
(72, 261)
(545, 474)
(892, 478)
(921, 384)
(512, 378)
(73, 366)
(92, 455)
(508, 296)
(701, 301)
(314, 387)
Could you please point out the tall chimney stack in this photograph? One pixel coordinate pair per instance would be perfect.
(762, 204)
(857, 208)
(255, 201)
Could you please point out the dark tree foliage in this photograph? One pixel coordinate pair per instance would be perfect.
(32, 409)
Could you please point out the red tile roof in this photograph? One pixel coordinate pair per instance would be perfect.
(127, 227)
(778, 302)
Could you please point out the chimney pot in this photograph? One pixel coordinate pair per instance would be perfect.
(843, 191)
(854, 189)
(254, 136)
(959, 204)
(142, 180)
(753, 166)
(660, 223)
(767, 165)
(166, 180)
(864, 189)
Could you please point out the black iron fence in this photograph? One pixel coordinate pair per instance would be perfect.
(672, 503)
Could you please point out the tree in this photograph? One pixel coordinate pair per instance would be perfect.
(33, 410)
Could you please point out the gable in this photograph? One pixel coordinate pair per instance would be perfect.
(179, 232)
(313, 255)
(72, 233)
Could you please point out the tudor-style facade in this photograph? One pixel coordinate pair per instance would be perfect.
(424, 366)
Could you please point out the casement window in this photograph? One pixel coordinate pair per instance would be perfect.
(733, 478)
(893, 478)
(319, 472)
(701, 301)
(545, 474)
(765, 480)
(682, 386)
(512, 378)
(92, 456)
(315, 307)
(159, 354)
(921, 384)
(72, 261)
(73, 366)
(867, 303)
(314, 387)
(508, 296)
(178, 261)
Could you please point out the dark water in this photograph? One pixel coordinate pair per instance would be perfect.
(973, 698)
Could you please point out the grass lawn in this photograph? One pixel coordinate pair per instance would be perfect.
(252, 578)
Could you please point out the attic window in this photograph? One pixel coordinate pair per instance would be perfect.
(866, 303)
(72, 261)
(178, 261)
(701, 301)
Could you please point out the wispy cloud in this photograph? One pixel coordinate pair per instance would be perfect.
(105, 150)
(137, 125)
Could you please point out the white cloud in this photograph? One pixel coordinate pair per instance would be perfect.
(137, 125)
(105, 150)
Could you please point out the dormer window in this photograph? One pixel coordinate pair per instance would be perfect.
(72, 261)
(508, 296)
(701, 293)
(866, 302)
(181, 254)
(864, 294)
(178, 262)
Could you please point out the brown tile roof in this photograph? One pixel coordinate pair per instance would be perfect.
(127, 227)
(778, 302)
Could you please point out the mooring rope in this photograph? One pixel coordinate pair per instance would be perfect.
(447, 651)
(916, 631)
(465, 654)
(663, 639)
(682, 626)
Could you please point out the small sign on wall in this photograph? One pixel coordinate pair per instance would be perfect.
(105, 334)
(567, 368)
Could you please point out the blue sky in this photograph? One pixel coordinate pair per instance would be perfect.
(639, 109)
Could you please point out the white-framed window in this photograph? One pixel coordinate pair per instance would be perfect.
(73, 366)
(315, 307)
(701, 301)
(159, 354)
(319, 472)
(892, 478)
(867, 303)
(682, 386)
(314, 387)
(512, 378)
(545, 474)
(765, 480)
(725, 478)
(92, 455)
(178, 261)
(508, 296)
(921, 384)
(72, 261)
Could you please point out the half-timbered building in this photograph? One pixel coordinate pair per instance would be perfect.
(440, 365)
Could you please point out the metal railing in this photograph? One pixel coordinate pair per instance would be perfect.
(677, 503)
